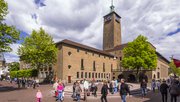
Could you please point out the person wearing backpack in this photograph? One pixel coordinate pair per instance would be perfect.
(173, 90)
(124, 90)
(104, 92)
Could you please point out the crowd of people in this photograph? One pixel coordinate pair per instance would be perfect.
(114, 86)
(165, 87)
(171, 86)
(24, 82)
(90, 88)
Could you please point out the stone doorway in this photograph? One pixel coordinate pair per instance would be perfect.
(69, 79)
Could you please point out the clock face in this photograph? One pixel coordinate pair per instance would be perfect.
(108, 18)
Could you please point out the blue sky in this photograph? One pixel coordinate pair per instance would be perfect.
(82, 21)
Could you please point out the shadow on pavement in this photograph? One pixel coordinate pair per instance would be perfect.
(9, 88)
(154, 97)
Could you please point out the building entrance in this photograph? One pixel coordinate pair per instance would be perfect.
(69, 79)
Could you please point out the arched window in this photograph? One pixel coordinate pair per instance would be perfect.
(154, 76)
(158, 75)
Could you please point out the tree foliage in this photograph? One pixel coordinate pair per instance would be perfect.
(139, 55)
(38, 50)
(14, 66)
(8, 34)
(174, 69)
(24, 73)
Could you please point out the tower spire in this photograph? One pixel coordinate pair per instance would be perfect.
(112, 6)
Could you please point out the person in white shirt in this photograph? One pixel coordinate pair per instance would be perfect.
(86, 88)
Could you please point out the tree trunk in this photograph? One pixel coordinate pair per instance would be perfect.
(137, 74)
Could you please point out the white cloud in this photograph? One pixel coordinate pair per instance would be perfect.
(82, 20)
(12, 56)
(169, 46)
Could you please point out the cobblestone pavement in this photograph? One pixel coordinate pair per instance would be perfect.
(10, 93)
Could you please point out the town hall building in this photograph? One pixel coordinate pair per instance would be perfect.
(77, 61)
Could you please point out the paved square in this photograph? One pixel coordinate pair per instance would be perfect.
(10, 93)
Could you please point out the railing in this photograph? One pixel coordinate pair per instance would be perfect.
(120, 70)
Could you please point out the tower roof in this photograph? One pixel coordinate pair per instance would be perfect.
(113, 12)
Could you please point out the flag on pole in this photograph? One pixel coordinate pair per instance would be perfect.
(176, 62)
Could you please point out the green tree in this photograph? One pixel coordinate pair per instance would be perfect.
(139, 55)
(174, 69)
(8, 34)
(38, 50)
(14, 66)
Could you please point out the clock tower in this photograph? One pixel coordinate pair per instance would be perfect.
(111, 30)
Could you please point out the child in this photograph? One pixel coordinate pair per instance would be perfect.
(38, 96)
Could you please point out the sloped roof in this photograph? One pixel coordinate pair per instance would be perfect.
(72, 43)
(121, 47)
(118, 47)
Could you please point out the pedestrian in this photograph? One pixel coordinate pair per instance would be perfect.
(173, 90)
(55, 85)
(39, 96)
(143, 88)
(74, 86)
(153, 85)
(60, 89)
(158, 84)
(124, 90)
(94, 88)
(18, 82)
(78, 91)
(113, 86)
(86, 88)
(164, 91)
(104, 92)
(34, 84)
(116, 86)
(168, 82)
(23, 82)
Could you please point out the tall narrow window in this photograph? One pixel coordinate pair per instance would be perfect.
(82, 64)
(92, 75)
(96, 75)
(89, 74)
(77, 74)
(111, 66)
(85, 74)
(104, 67)
(82, 75)
(158, 75)
(99, 75)
(94, 66)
